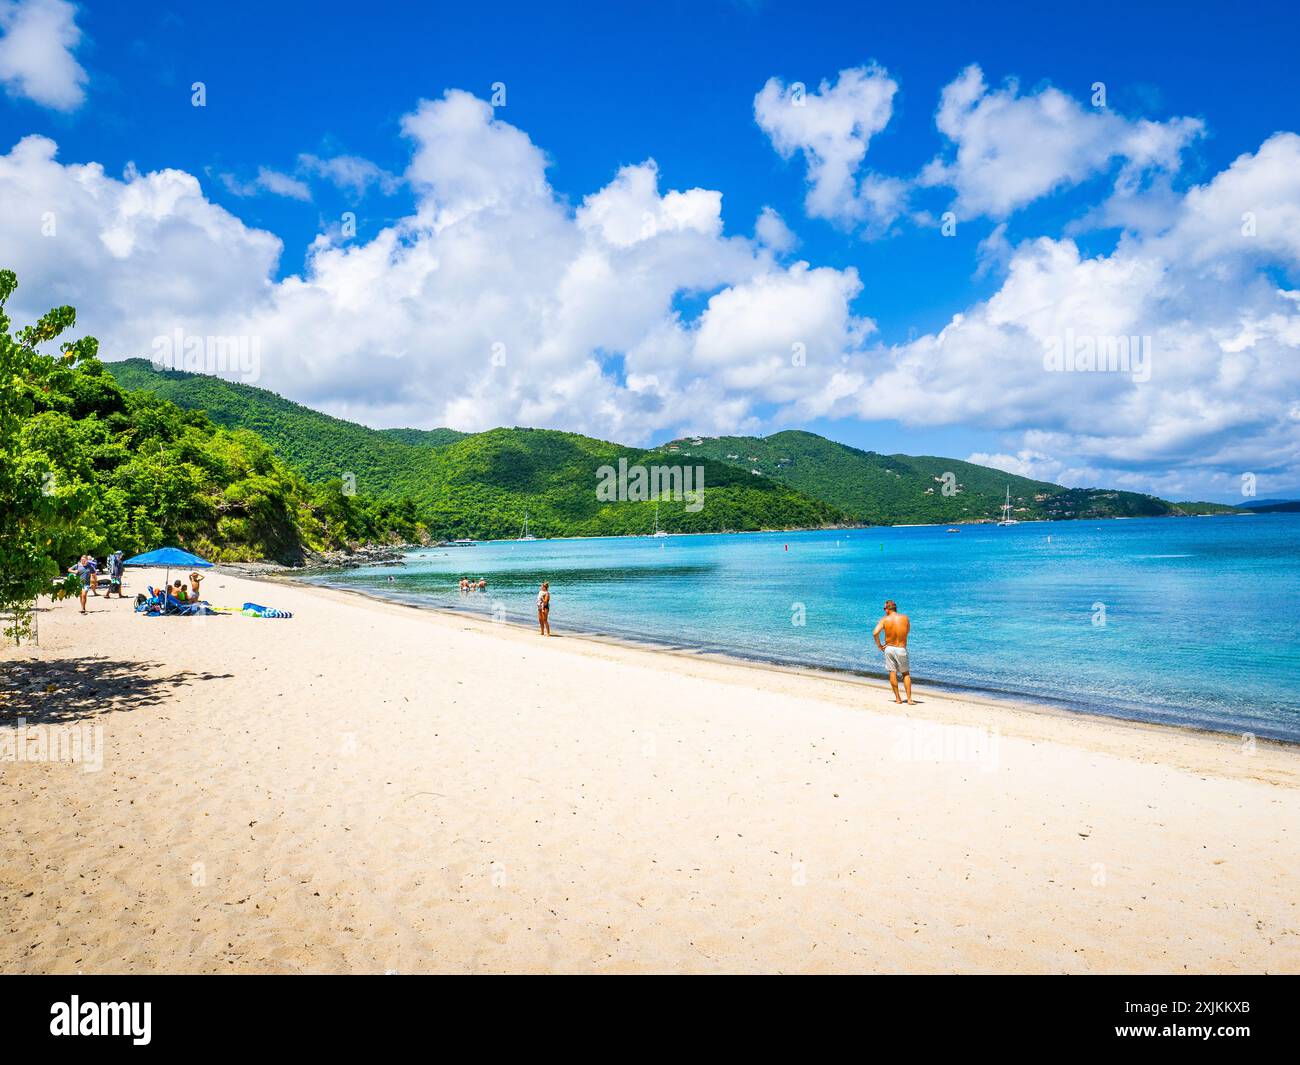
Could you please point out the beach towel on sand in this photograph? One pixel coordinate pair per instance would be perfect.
(255, 610)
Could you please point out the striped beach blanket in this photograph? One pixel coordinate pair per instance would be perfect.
(256, 610)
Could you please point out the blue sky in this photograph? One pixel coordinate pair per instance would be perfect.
(600, 87)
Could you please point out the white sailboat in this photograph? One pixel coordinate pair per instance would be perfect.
(525, 534)
(1007, 519)
(658, 531)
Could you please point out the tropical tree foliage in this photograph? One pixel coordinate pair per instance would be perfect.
(39, 510)
(86, 467)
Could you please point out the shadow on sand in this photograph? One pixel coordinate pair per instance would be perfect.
(69, 689)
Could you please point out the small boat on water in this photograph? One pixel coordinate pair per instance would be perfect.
(658, 531)
(954, 530)
(525, 534)
(461, 543)
(1007, 519)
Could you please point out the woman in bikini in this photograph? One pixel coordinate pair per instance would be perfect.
(544, 609)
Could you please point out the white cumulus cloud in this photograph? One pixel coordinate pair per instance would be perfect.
(1010, 149)
(634, 315)
(135, 255)
(1216, 396)
(494, 302)
(832, 128)
(37, 41)
(771, 231)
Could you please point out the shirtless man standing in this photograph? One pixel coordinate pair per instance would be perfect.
(896, 627)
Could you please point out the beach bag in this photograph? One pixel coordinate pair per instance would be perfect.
(151, 606)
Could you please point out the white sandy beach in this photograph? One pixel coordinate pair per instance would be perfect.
(368, 787)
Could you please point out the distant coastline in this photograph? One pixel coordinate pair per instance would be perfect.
(363, 553)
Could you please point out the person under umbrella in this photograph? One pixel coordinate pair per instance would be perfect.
(169, 557)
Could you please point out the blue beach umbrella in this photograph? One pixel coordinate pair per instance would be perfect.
(169, 557)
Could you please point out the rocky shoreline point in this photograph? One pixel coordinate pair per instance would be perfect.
(365, 555)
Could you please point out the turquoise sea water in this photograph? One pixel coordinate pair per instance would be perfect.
(1192, 621)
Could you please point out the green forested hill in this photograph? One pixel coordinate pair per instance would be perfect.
(425, 437)
(896, 489)
(319, 446)
(309, 439)
(480, 485)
